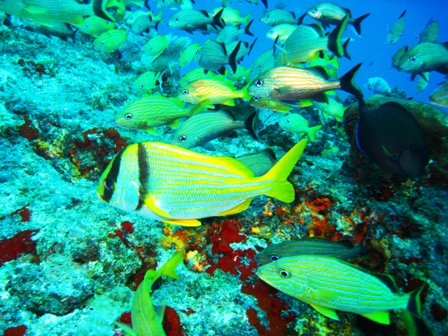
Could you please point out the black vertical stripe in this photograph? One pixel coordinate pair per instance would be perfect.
(111, 178)
(143, 174)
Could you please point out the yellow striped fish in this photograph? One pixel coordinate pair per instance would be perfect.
(111, 40)
(146, 82)
(293, 84)
(396, 31)
(153, 111)
(95, 26)
(214, 90)
(146, 321)
(177, 186)
(329, 284)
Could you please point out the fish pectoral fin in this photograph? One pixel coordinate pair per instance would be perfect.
(151, 130)
(387, 153)
(381, 316)
(174, 124)
(239, 208)
(127, 329)
(328, 312)
(150, 203)
(182, 222)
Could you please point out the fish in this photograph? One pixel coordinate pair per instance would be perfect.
(214, 56)
(425, 57)
(329, 284)
(270, 104)
(188, 54)
(60, 29)
(275, 17)
(153, 111)
(281, 32)
(392, 138)
(156, 45)
(185, 4)
(331, 109)
(142, 21)
(231, 16)
(440, 95)
(214, 91)
(295, 123)
(146, 320)
(260, 162)
(264, 62)
(191, 20)
(95, 26)
(306, 41)
(331, 14)
(145, 83)
(342, 249)
(196, 74)
(397, 58)
(178, 186)
(231, 33)
(431, 32)
(241, 74)
(396, 31)
(292, 84)
(110, 40)
(204, 127)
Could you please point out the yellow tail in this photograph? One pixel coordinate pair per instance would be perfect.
(281, 188)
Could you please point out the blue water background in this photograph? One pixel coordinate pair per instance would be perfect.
(369, 48)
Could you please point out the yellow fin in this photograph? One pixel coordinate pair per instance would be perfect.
(168, 269)
(183, 222)
(150, 203)
(230, 102)
(312, 132)
(239, 208)
(281, 188)
(151, 130)
(305, 103)
(174, 124)
(381, 316)
(328, 312)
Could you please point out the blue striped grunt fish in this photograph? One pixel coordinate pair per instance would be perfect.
(329, 284)
(178, 186)
(342, 249)
(146, 321)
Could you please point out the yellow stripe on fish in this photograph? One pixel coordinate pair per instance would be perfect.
(177, 186)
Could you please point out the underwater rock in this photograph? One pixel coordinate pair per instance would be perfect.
(378, 85)
(432, 120)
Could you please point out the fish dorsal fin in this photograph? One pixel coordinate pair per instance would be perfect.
(388, 280)
(320, 71)
(318, 28)
(203, 11)
(328, 312)
(346, 243)
(381, 316)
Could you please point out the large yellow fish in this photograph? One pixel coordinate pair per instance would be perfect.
(329, 284)
(177, 186)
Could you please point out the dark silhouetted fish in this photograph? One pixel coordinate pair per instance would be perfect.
(392, 138)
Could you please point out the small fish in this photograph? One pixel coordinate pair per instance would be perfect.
(331, 109)
(214, 56)
(212, 90)
(306, 41)
(196, 74)
(292, 84)
(231, 16)
(276, 17)
(178, 186)
(397, 30)
(425, 57)
(281, 32)
(440, 95)
(191, 20)
(342, 249)
(391, 137)
(153, 111)
(110, 40)
(202, 128)
(145, 83)
(431, 32)
(144, 21)
(146, 320)
(331, 14)
(188, 54)
(329, 284)
(231, 33)
(264, 62)
(260, 163)
(295, 123)
(156, 45)
(270, 104)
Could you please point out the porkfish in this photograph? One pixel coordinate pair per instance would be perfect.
(178, 186)
(329, 284)
(146, 321)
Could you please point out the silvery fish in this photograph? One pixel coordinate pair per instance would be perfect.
(281, 32)
(178, 186)
(397, 30)
(214, 56)
(275, 17)
(329, 284)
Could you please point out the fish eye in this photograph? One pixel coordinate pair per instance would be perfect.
(259, 66)
(86, 25)
(102, 42)
(267, 17)
(315, 10)
(284, 273)
(177, 20)
(412, 59)
(258, 83)
(185, 92)
(128, 116)
(183, 138)
(274, 257)
(256, 98)
(109, 184)
(141, 86)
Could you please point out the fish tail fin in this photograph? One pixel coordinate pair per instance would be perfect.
(246, 19)
(245, 93)
(158, 17)
(312, 132)
(347, 83)
(168, 269)
(335, 37)
(217, 21)
(344, 47)
(232, 57)
(357, 23)
(249, 123)
(414, 304)
(281, 188)
(247, 28)
(413, 325)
